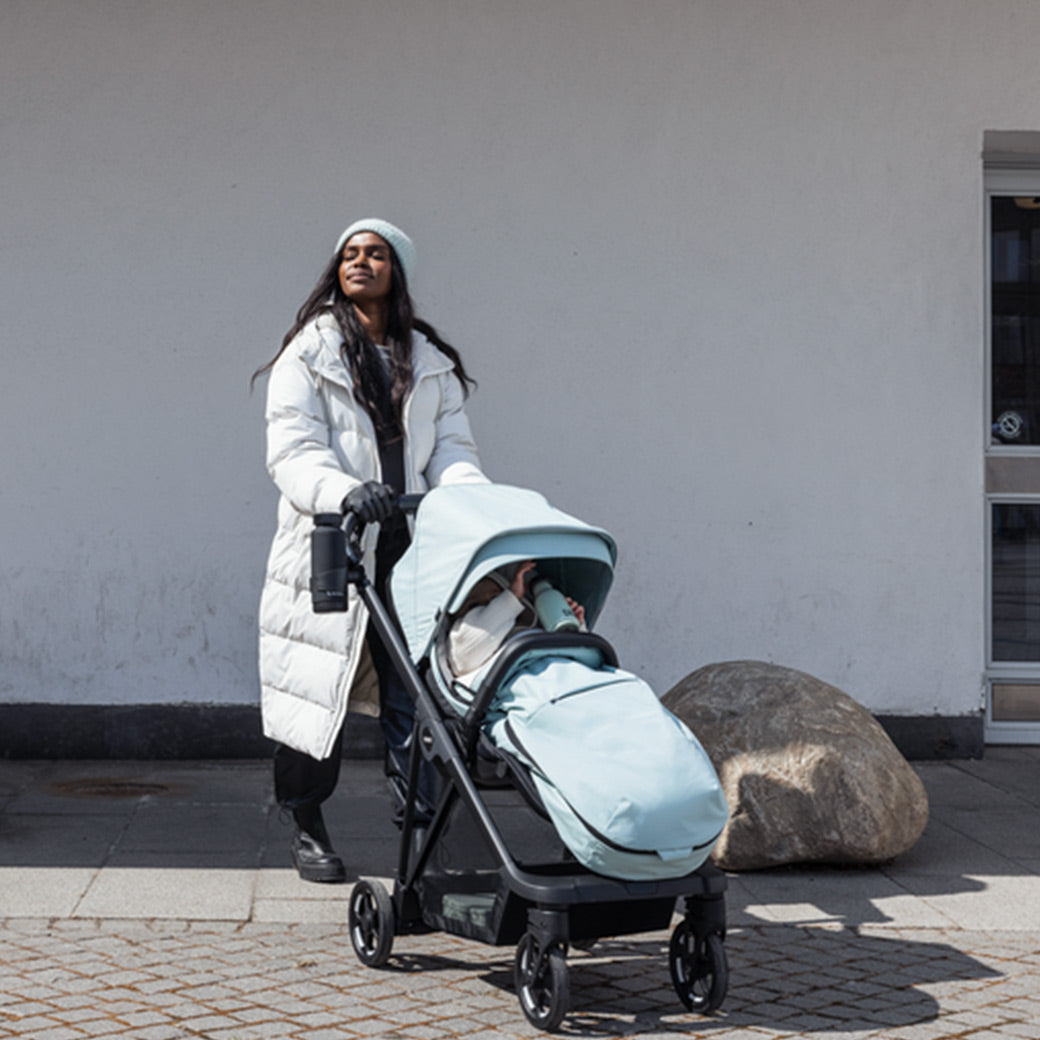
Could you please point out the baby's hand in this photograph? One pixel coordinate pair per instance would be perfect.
(518, 586)
(579, 610)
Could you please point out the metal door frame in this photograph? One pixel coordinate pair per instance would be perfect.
(1022, 178)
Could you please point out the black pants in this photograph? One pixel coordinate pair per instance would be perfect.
(302, 782)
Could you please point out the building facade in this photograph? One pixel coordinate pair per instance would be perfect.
(748, 283)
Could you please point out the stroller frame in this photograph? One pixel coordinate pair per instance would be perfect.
(545, 909)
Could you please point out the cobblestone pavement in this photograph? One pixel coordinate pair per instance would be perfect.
(155, 901)
(168, 980)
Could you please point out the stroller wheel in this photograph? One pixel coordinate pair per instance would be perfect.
(541, 983)
(700, 976)
(371, 922)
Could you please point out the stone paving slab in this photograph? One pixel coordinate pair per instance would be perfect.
(210, 894)
(171, 980)
(205, 841)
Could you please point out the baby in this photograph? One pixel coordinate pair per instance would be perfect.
(489, 614)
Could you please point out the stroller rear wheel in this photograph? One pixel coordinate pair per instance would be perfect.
(700, 971)
(542, 983)
(371, 922)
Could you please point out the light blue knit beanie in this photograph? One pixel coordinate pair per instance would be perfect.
(401, 244)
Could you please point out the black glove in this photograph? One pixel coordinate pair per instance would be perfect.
(372, 502)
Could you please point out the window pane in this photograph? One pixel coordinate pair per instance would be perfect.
(1015, 296)
(1016, 702)
(1016, 582)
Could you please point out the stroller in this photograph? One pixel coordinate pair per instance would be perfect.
(504, 857)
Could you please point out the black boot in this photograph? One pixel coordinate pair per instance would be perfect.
(311, 849)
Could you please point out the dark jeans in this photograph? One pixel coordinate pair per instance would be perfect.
(302, 782)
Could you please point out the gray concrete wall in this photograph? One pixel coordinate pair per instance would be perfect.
(717, 267)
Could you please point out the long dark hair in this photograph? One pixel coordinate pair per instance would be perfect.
(359, 353)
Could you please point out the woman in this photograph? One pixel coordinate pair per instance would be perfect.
(365, 401)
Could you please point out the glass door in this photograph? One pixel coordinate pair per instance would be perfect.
(1013, 456)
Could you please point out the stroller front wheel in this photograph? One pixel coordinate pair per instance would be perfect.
(542, 983)
(700, 971)
(371, 923)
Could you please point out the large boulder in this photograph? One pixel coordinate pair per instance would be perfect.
(809, 774)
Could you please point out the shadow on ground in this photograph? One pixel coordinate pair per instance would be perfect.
(784, 979)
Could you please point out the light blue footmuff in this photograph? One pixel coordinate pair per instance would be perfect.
(629, 789)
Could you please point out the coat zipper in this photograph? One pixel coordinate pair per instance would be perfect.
(587, 689)
(405, 412)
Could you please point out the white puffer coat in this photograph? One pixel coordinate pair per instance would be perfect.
(320, 445)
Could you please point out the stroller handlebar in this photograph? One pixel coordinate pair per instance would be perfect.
(353, 525)
(409, 503)
(336, 554)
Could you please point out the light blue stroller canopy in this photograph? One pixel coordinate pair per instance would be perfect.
(463, 532)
